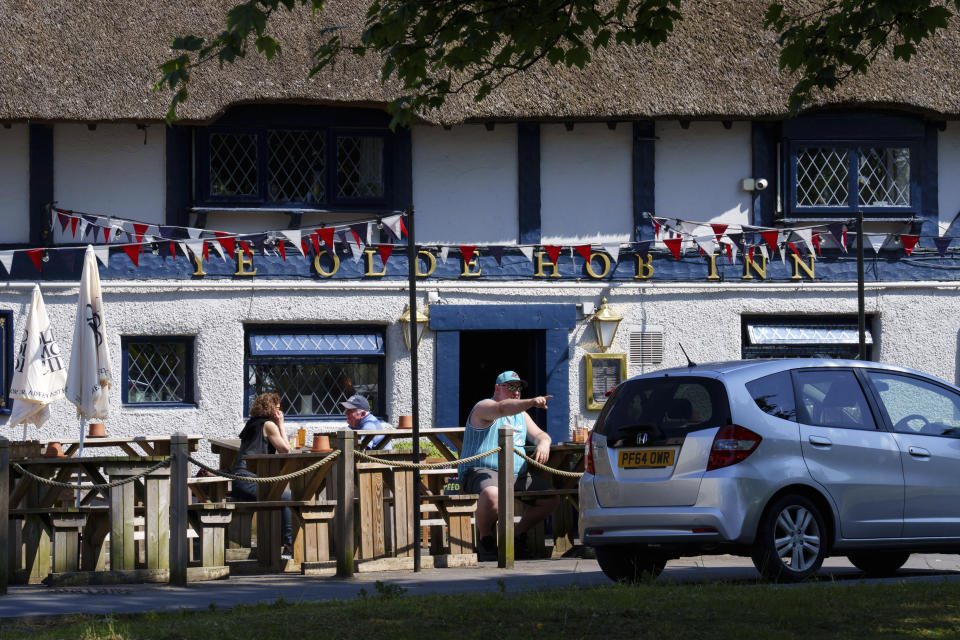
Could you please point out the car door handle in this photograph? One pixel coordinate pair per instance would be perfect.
(918, 452)
(819, 441)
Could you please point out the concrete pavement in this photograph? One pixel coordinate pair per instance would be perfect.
(38, 600)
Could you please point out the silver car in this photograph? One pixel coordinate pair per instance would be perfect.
(787, 461)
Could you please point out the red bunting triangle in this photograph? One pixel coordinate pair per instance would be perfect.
(729, 248)
(793, 247)
(384, 250)
(64, 220)
(656, 228)
(771, 238)
(403, 228)
(750, 254)
(585, 251)
(305, 246)
(674, 245)
(553, 251)
(719, 230)
(73, 226)
(173, 250)
(315, 240)
(226, 241)
(106, 234)
(282, 249)
(467, 251)
(326, 234)
(909, 242)
(138, 230)
(816, 242)
(133, 252)
(206, 251)
(246, 248)
(36, 256)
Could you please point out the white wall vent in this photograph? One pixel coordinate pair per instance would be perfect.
(646, 346)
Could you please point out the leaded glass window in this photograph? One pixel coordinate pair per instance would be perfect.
(822, 177)
(298, 166)
(360, 167)
(233, 164)
(314, 371)
(157, 370)
(884, 179)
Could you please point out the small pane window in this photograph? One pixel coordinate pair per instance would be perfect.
(360, 167)
(833, 399)
(822, 177)
(774, 395)
(803, 337)
(884, 176)
(298, 166)
(233, 164)
(157, 370)
(915, 406)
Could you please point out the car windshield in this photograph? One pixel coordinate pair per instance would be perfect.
(664, 408)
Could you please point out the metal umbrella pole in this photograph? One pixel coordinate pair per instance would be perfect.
(861, 314)
(414, 382)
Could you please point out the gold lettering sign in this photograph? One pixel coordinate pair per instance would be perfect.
(606, 265)
(713, 267)
(430, 260)
(368, 254)
(319, 267)
(473, 264)
(761, 268)
(199, 260)
(644, 267)
(798, 265)
(541, 262)
(243, 262)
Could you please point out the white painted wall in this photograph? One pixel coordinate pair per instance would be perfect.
(465, 184)
(585, 183)
(699, 171)
(109, 171)
(15, 184)
(948, 172)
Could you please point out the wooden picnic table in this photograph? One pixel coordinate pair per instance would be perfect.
(132, 445)
(453, 435)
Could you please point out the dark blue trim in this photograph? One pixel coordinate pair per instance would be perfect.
(642, 169)
(487, 317)
(188, 368)
(6, 360)
(763, 145)
(179, 163)
(528, 182)
(448, 379)
(929, 185)
(555, 319)
(41, 183)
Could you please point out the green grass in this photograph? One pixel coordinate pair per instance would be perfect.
(427, 448)
(658, 610)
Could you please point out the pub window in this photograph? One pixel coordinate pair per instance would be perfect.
(157, 370)
(314, 370)
(803, 337)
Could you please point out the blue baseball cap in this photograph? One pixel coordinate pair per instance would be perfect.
(356, 401)
(510, 376)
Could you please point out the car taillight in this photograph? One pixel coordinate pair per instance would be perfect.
(588, 454)
(731, 445)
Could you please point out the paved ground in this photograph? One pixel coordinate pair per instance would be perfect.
(33, 601)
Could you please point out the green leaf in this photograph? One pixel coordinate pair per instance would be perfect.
(268, 46)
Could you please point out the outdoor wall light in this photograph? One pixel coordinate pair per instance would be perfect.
(422, 320)
(605, 323)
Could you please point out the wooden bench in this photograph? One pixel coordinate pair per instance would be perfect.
(60, 526)
(563, 524)
(456, 514)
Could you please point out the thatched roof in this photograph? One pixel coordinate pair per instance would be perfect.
(96, 61)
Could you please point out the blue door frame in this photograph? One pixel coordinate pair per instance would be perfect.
(556, 320)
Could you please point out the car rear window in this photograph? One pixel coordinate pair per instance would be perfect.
(774, 395)
(664, 408)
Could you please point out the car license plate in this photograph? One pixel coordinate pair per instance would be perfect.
(646, 458)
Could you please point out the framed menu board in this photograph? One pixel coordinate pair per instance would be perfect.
(604, 372)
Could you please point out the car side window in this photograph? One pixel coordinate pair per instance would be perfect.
(774, 395)
(916, 406)
(833, 399)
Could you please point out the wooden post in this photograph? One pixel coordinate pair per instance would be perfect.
(343, 538)
(505, 500)
(179, 472)
(4, 514)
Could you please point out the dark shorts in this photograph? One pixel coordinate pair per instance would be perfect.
(479, 478)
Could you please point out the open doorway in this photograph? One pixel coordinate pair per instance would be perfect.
(484, 354)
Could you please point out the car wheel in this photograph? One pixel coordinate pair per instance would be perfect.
(878, 563)
(629, 563)
(791, 541)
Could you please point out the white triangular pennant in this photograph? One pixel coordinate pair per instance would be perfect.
(876, 241)
(355, 249)
(293, 236)
(394, 223)
(103, 254)
(444, 252)
(193, 232)
(807, 236)
(196, 247)
(219, 248)
(614, 250)
(527, 252)
(734, 249)
(184, 249)
(6, 259)
(707, 243)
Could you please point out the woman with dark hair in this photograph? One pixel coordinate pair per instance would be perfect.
(263, 433)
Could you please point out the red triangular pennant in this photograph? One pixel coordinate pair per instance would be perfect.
(584, 250)
(656, 228)
(73, 226)
(246, 248)
(173, 250)
(816, 243)
(750, 253)
(64, 220)
(771, 238)
(793, 247)
(282, 249)
(133, 252)
(206, 251)
(326, 234)
(138, 230)
(729, 248)
(719, 230)
(467, 251)
(403, 227)
(909, 242)
(384, 250)
(315, 241)
(305, 246)
(674, 245)
(36, 256)
(106, 235)
(226, 241)
(553, 251)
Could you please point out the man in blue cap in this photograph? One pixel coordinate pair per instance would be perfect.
(357, 413)
(505, 409)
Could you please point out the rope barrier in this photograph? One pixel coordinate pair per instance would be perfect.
(283, 478)
(538, 465)
(99, 487)
(423, 465)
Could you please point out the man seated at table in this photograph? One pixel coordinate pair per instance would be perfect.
(357, 413)
(505, 409)
(263, 433)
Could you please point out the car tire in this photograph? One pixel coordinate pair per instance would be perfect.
(629, 563)
(791, 541)
(878, 564)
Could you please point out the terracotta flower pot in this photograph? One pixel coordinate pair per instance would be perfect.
(97, 430)
(321, 442)
(54, 450)
(406, 422)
